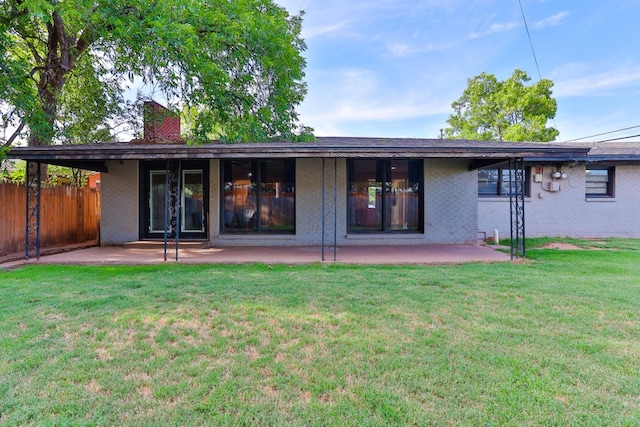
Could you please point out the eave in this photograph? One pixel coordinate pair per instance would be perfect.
(94, 156)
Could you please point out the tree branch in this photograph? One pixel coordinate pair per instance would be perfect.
(34, 51)
(61, 40)
(82, 43)
(9, 141)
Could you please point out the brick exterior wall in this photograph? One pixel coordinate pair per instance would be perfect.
(160, 123)
(308, 208)
(119, 207)
(568, 212)
(450, 207)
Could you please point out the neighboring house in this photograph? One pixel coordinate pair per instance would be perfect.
(342, 191)
(93, 181)
(595, 196)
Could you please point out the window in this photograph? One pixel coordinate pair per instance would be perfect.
(495, 182)
(599, 182)
(259, 196)
(385, 195)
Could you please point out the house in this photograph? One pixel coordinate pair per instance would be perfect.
(333, 191)
(594, 196)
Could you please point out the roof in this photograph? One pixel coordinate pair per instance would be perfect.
(615, 151)
(600, 152)
(93, 156)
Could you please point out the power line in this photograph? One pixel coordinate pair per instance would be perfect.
(618, 139)
(535, 59)
(533, 51)
(605, 133)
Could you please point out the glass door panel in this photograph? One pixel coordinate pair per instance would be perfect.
(192, 201)
(156, 201)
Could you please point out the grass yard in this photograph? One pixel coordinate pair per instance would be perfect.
(551, 341)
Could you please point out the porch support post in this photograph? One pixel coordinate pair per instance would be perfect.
(32, 227)
(516, 198)
(178, 202)
(335, 208)
(323, 212)
(166, 208)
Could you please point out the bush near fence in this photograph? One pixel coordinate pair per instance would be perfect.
(68, 215)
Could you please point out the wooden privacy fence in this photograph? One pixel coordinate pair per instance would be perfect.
(68, 215)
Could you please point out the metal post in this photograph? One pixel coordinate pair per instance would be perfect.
(33, 189)
(323, 216)
(166, 208)
(178, 203)
(516, 198)
(335, 208)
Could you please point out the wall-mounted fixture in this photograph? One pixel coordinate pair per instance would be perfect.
(553, 186)
(537, 176)
(558, 174)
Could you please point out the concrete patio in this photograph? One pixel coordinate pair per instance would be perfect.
(378, 255)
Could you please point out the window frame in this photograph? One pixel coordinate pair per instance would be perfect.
(256, 167)
(610, 193)
(499, 192)
(384, 165)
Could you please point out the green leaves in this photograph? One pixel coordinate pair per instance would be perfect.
(504, 110)
(237, 64)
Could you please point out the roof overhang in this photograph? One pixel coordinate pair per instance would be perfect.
(95, 156)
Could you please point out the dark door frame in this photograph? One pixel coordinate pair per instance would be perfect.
(146, 167)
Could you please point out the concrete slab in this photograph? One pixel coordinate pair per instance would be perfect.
(378, 255)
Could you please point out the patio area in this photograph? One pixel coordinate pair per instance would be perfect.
(380, 255)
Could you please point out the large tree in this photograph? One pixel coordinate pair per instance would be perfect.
(65, 66)
(508, 110)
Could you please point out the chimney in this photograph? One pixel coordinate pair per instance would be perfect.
(161, 125)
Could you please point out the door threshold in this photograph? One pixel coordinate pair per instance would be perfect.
(182, 244)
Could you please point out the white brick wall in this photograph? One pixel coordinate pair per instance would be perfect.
(568, 212)
(450, 207)
(119, 204)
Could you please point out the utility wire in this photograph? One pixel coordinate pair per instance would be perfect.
(535, 59)
(604, 133)
(533, 51)
(617, 139)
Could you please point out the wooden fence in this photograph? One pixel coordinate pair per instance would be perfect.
(68, 215)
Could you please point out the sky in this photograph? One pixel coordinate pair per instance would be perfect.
(392, 68)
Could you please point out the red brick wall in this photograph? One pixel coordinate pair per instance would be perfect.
(160, 124)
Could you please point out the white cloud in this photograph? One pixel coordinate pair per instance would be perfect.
(595, 84)
(399, 49)
(513, 25)
(316, 31)
(349, 97)
(493, 29)
(550, 21)
(344, 111)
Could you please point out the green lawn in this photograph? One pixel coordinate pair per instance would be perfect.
(551, 341)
